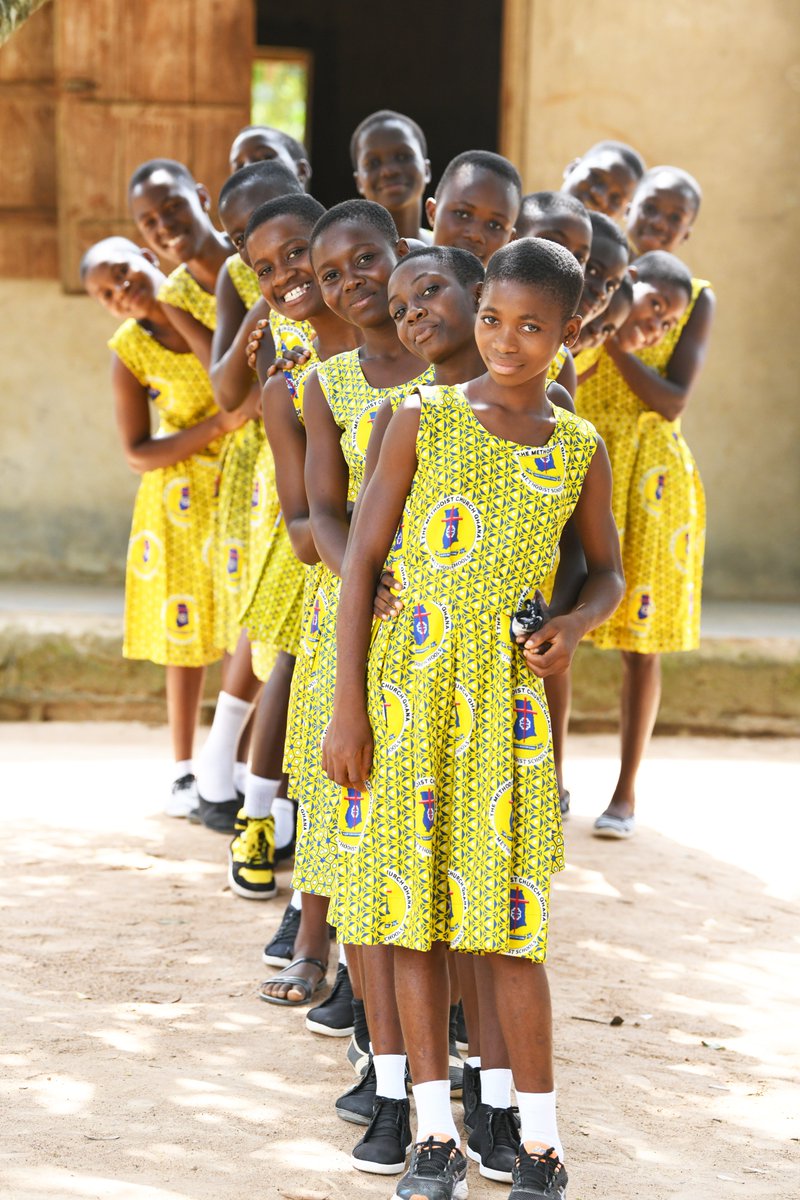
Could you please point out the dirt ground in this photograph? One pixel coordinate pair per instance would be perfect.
(137, 1063)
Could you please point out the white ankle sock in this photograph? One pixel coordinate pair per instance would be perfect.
(216, 762)
(434, 1114)
(390, 1075)
(283, 812)
(258, 795)
(342, 955)
(537, 1114)
(496, 1087)
(475, 1061)
(240, 773)
(297, 899)
(184, 767)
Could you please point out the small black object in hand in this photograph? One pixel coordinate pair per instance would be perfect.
(528, 619)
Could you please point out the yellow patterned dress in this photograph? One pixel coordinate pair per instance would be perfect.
(169, 602)
(659, 506)
(554, 370)
(232, 542)
(271, 606)
(458, 830)
(354, 404)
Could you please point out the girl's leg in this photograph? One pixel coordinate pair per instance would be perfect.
(423, 993)
(184, 692)
(558, 689)
(467, 982)
(269, 723)
(216, 763)
(312, 941)
(641, 696)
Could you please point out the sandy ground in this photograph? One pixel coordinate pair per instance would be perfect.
(137, 1063)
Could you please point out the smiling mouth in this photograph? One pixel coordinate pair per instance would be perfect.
(296, 293)
(424, 333)
(361, 301)
(503, 368)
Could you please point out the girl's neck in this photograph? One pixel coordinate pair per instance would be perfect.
(462, 366)
(213, 252)
(408, 219)
(161, 330)
(333, 334)
(529, 397)
(382, 342)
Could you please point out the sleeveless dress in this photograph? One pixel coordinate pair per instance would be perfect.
(232, 544)
(458, 830)
(354, 404)
(169, 601)
(271, 606)
(659, 507)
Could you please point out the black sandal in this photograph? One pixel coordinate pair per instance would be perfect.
(296, 981)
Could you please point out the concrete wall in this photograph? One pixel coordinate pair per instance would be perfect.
(713, 87)
(66, 493)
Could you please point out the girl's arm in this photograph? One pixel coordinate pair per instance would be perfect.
(604, 586)
(287, 440)
(571, 573)
(669, 396)
(347, 749)
(144, 452)
(194, 332)
(230, 373)
(326, 477)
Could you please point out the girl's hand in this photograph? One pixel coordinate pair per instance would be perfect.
(252, 405)
(549, 651)
(254, 342)
(229, 421)
(387, 603)
(347, 748)
(289, 360)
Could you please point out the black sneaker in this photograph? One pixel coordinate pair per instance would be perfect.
(494, 1142)
(438, 1172)
(541, 1174)
(220, 817)
(358, 1103)
(383, 1148)
(563, 804)
(358, 1050)
(280, 951)
(471, 1095)
(334, 1017)
(462, 1034)
(456, 1061)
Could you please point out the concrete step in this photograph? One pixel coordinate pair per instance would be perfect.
(60, 660)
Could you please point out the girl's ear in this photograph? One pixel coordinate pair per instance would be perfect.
(402, 247)
(572, 331)
(304, 172)
(148, 254)
(205, 198)
(478, 292)
(686, 236)
(359, 188)
(634, 274)
(430, 210)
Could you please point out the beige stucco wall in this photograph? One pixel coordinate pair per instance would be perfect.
(66, 493)
(713, 87)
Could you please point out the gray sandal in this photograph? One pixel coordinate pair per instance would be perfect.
(296, 981)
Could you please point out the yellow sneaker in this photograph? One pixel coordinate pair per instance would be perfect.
(251, 858)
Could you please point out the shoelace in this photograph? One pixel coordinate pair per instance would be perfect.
(289, 922)
(433, 1158)
(183, 784)
(504, 1128)
(386, 1118)
(538, 1170)
(259, 838)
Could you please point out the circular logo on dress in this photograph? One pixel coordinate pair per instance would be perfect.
(451, 532)
(430, 626)
(680, 547)
(355, 805)
(501, 815)
(396, 712)
(641, 608)
(394, 904)
(463, 719)
(178, 501)
(145, 554)
(531, 727)
(424, 815)
(362, 429)
(258, 499)
(456, 907)
(233, 557)
(179, 614)
(527, 913)
(543, 470)
(313, 622)
(652, 486)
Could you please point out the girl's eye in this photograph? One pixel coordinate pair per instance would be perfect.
(239, 241)
(461, 214)
(398, 313)
(431, 289)
(330, 276)
(294, 253)
(264, 271)
(365, 258)
(612, 285)
(495, 226)
(529, 328)
(487, 320)
(590, 270)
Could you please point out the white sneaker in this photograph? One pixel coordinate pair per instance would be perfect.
(182, 799)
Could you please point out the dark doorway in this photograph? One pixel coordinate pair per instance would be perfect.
(442, 67)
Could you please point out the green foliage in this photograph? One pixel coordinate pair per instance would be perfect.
(280, 95)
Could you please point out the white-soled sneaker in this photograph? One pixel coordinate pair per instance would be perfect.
(182, 799)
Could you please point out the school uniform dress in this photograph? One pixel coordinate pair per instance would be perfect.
(458, 830)
(659, 506)
(271, 606)
(169, 600)
(354, 404)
